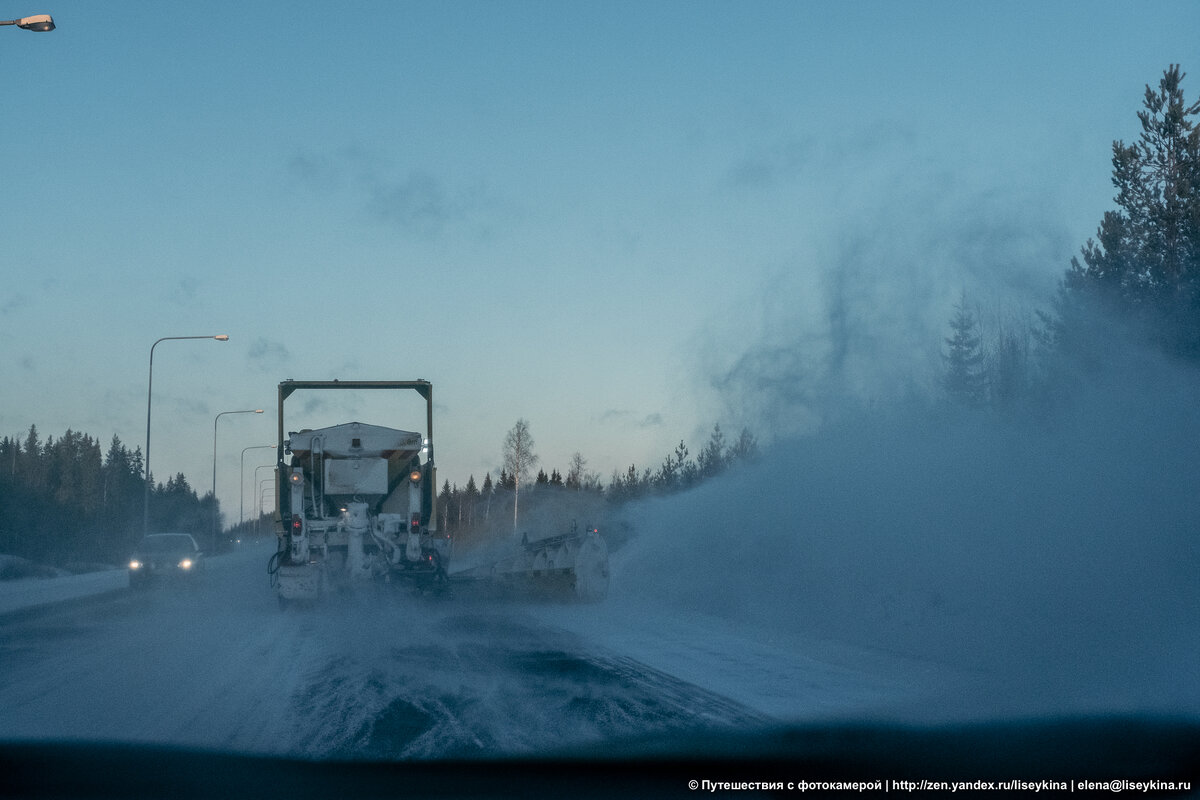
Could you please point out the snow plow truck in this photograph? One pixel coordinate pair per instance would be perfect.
(357, 502)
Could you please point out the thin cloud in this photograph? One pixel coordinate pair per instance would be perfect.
(13, 304)
(416, 202)
(313, 405)
(770, 166)
(316, 172)
(627, 418)
(266, 355)
(805, 157)
(185, 291)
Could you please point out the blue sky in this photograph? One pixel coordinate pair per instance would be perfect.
(622, 222)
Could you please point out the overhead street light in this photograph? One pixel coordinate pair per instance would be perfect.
(263, 482)
(38, 22)
(262, 495)
(221, 337)
(214, 483)
(271, 466)
(242, 488)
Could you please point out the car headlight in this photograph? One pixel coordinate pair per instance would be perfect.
(135, 564)
(185, 564)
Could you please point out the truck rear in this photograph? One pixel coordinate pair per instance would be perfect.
(355, 502)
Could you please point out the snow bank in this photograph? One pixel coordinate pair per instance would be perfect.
(13, 567)
(1058, 563)
(31, 592)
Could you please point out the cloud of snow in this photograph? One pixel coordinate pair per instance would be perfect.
(1055, 558)
(858, 309)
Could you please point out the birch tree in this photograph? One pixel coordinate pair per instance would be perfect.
(519, 459)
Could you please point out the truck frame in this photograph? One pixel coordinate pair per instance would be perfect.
(355, 501)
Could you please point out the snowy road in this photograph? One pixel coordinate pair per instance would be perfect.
(694, 637)
(385, 675)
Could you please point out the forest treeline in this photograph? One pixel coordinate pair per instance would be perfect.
(474, 514)
(1138, 281)
(1136, 285)
(63, 501)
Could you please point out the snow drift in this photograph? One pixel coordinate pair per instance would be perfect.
(1056, 559)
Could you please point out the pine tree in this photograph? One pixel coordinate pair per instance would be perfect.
(1145, 261)
(486, 492)
(745, 448)
(470, 500)
(667, 478)
(1008, 366)
(964, 376)
(121, 497)
(711, 460)
(10, 448)
(444, 506)
(631, 484)
(34, 473)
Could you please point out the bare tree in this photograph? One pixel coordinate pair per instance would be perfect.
(519, 459)
(577, 474)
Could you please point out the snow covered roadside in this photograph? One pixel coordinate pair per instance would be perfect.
(22, 593)
(786, 677)
(927, 570)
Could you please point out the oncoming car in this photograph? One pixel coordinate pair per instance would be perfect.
(164, 555)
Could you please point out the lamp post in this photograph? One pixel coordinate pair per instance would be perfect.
(221, 337)
(262, 492)
(38, 22)
(261, 483)
(216, 514)
(264, 480)
(242, 487)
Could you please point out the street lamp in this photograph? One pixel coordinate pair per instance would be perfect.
(216, 515)
(260, 484)
(264, 480)
(242, 487)
(262, 494)
(221, 337)
(38, 22)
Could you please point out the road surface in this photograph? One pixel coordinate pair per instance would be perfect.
(383, 674)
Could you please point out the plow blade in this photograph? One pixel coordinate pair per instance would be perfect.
(571, 566)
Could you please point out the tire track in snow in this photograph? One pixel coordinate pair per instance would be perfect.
(495, 684)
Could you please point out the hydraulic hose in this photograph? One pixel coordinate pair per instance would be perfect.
(273, 565)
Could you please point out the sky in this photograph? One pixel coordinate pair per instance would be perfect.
(618, 221)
